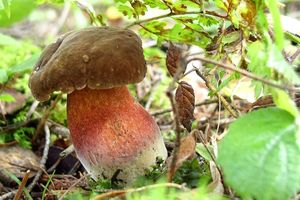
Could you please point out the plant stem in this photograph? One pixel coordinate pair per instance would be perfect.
(246, 73)
(171, 14)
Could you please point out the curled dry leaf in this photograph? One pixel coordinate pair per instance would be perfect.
(175, 60)
(186, 150)
(185, 99)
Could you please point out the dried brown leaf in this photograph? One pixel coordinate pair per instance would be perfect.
(185, 99)
(186, 150)
(175, 60)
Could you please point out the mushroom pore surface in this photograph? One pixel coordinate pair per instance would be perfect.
(111, 131)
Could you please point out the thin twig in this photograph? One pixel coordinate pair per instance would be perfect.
(43, 159)
(72, 186)
(45, 117)
(7, 144)
(62, 19)
(8, 195)
(171, 14)
(22, 185)
(152, 92)
(293, 57)
(206, 102)
(32, 109)
(58, 129)
(245, 73)
(222, 99)
(115, 193)
(70, 149)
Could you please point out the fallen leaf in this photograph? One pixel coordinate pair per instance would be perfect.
(186, 151)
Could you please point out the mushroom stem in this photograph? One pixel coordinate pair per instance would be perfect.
(112, 133)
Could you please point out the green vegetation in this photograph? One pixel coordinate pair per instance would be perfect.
(241, 148)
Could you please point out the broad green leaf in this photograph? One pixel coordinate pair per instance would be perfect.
(7, 97)
(18, 10)
(265, 58)
(278, 31)
(8, 40)
(3, 76)
(207, 21)
(283, 101)
(139, 8)
(258, 59)
(231, 37)
(277, 62)
(5, 5)
(200, 149)
(126, 10)
(260, 155)
(156, 26)
(25, 65)
(220, 4)
(183, 5)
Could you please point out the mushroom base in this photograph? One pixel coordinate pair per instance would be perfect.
(112, 134)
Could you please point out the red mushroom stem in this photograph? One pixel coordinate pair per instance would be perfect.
(111, 131)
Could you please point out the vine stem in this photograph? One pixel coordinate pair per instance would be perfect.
(246, 73)
(171, 14)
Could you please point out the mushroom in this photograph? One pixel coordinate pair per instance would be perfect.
(111, 132)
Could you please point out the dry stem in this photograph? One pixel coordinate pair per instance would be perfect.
(22, 185)
(245, 73)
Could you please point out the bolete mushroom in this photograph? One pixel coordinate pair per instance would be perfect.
(111, 132)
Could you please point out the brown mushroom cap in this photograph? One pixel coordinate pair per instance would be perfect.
(96, 57)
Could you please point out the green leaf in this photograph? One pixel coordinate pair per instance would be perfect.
(139, 8)
(263, 59)
(8, 40)
(258, 59)
(200, 149)
(156, 26)
(126, 10)
(231, 37)
(25, 65)
(207, 20)
(220, 4)
(3, 76)
(18, 10)
(260, 155)
(156, 4)
(278, 31)
(283, 101)
(5, 5)
(7, 98)
(277, 62)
